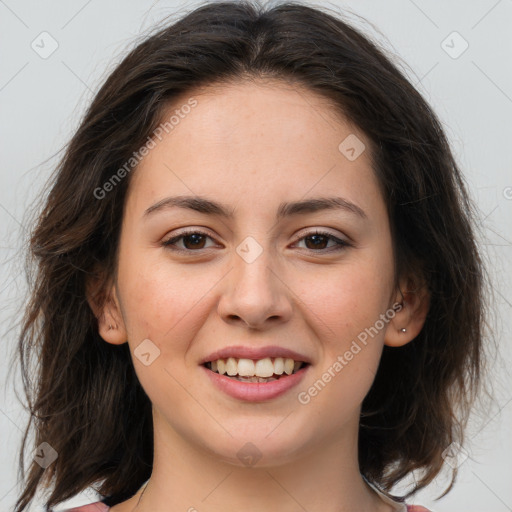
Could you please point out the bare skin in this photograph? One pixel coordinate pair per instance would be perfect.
(250, 147)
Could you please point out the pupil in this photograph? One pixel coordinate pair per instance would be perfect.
(193, 236)
(317, 237)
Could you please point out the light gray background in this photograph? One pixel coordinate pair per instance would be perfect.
(41, 101)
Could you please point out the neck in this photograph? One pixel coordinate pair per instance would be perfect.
(324, 478)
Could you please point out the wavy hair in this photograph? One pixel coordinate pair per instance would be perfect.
(83, 393)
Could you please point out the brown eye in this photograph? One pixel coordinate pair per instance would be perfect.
(192, 240)
(319, 239)
(195, 241)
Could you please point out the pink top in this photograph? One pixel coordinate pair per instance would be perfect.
(98, 506)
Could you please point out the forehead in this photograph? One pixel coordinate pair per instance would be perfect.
(253, 142)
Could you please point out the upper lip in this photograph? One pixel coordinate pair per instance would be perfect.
(241, 352)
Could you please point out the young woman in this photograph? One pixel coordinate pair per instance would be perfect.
(258, 285)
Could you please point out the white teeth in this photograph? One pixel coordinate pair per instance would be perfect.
(279, 365)
(231, 366)
(263, 367)
(246, 368)
(260, 369)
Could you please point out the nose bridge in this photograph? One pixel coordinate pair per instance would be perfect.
(252, 262)
(253, 290)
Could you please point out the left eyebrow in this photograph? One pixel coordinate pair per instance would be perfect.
(210, 207)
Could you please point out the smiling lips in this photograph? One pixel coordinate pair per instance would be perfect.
(255, 364)
(255, 374)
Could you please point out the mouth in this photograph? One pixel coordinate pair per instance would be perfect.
(255, 370)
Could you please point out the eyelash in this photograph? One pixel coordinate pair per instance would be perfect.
(341, 244)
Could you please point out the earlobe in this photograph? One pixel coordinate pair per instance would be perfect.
(409, 320)
(105, 307)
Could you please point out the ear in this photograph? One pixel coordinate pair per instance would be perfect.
(414, 299)
(102, 298)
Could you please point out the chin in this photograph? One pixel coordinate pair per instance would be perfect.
(254, 445)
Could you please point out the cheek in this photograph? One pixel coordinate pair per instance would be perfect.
(156, 294)
(347, 308)
(162, 306)
(165, 303)
(349, 298)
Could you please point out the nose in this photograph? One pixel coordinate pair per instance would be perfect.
(254, 293)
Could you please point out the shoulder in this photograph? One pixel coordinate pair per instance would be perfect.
(97, 506)
(417, 508)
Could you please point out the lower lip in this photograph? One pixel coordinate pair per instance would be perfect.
(256, 391)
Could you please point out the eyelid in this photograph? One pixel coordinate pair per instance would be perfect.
(309, 231)
(340, 243)
(184, 233)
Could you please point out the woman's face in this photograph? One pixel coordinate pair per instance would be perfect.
(257, 279)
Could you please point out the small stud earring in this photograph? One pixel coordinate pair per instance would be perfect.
(403, 329)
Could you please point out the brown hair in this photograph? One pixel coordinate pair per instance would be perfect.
(85, 394)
